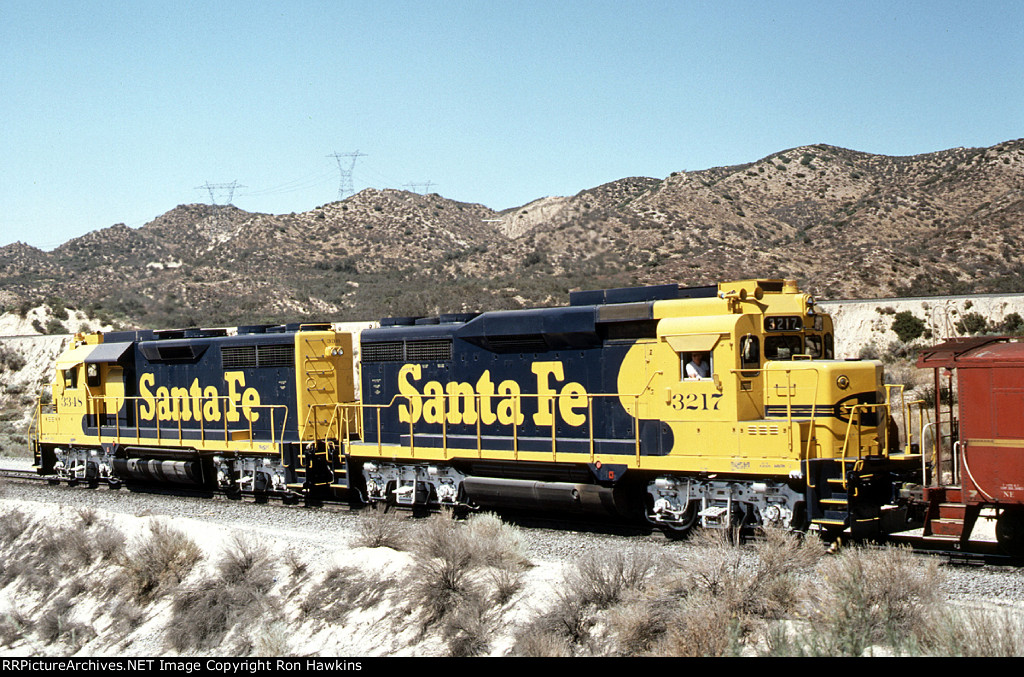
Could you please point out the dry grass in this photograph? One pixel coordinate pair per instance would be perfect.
(974, 632)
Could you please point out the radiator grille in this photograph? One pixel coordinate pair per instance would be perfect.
(388, 351)
(238, 357)
(281, 355)
(433, 350)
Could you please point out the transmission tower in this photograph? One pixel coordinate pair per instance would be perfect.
(220, 189)
(425, 186)
(345, 186)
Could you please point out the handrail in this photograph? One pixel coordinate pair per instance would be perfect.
(334, 431)
(95, 404)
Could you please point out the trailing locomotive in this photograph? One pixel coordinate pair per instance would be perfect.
(718, 405)
(198, 407)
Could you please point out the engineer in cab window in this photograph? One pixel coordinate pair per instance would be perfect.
(699, 366)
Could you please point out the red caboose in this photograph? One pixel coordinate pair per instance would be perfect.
(984, 466)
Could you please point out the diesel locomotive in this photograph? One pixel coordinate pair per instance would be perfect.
(586, 407)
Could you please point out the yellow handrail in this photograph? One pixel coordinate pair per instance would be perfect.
(96, 403)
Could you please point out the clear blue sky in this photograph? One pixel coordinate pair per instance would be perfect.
(116, 111)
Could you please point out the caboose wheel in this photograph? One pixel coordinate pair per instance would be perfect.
(1010, 531)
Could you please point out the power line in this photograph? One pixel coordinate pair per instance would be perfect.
(345, 187)
(425, 185)
(221, 189)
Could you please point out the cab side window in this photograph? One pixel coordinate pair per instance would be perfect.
(695, 365)
(750, 353)
(71, 377)
(92, 375)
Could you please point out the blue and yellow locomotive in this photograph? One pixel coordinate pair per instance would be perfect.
(718, 405)
(198, 406)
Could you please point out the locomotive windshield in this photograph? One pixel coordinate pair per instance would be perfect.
(782, 347)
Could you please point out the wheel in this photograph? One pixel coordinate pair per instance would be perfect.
(1010, 531)
(681, 529)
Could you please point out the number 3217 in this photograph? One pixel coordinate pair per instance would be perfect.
(698, 401)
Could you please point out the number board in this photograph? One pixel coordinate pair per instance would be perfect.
(784, 323)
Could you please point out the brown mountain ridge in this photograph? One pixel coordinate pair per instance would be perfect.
(847, 224)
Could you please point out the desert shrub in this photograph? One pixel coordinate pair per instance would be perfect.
(272, 639)
(1013, 323)
(11, 359)
(160, 562)
(55, 326)
(467, 631)
(296, 565)
(495, 544)
(127, 616)
(505, 583)
(236, 596)
(537, 642)
(907, 326)
(14, 625)
(13, 525)
(972, 323)
(56, 624)
(868, 597)
(109, 543)
(342, 590)
(380, 528)
(203, 614)
(602, 578)
(703, 627)
(247, 562)
(88, 516)
(868, 351)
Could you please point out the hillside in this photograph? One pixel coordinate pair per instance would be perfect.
(846, 224)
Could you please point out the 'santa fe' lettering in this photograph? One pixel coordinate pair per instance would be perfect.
(196, 402)
(489, 402)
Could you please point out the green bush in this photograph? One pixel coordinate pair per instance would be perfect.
(1012, 324)
(972, 323)
(907, 326)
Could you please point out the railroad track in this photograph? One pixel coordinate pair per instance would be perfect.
(985, 554)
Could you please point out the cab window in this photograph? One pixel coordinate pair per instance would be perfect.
(71, 377)
(695, 366)
(814, 346)
(782, 347)
(750, 353)
(92, 375)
